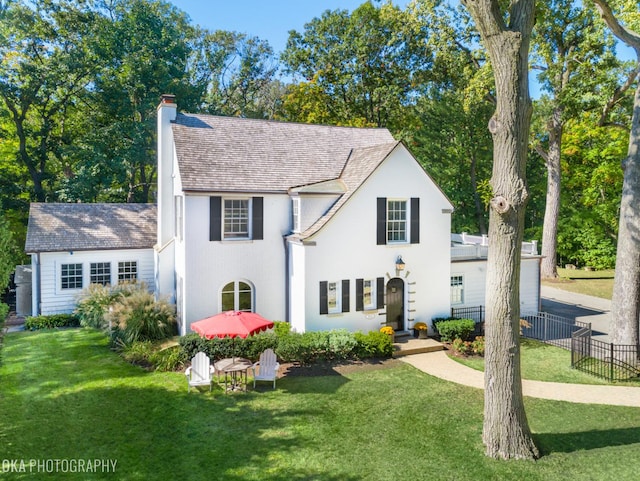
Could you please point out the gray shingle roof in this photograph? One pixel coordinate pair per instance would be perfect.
(359, 167)
(64, 227)
(233, 154)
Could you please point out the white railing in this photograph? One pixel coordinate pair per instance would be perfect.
(473, 246)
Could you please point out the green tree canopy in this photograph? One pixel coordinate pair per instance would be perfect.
(366, 67)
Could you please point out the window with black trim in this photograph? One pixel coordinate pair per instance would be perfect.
(100, 273)
(369, 294)
(71, 276)
(334, 297)
(235, 218)
(398, 221)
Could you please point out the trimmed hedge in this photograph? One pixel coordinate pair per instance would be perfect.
(289, 346)
(52, 321)
(450, 329)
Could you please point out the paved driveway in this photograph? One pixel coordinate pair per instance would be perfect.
(580, 307)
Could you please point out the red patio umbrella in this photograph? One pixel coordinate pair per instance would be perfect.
(231, 324)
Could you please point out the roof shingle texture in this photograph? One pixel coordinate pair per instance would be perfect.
(55, 227)
(359, 167)
(228, 154)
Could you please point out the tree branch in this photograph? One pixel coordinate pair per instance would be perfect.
(617, 95)
(628, 36)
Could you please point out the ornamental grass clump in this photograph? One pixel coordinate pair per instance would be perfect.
(93, 303)
(139, 317)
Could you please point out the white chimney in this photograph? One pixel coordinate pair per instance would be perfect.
(167, 112)
(165, 285)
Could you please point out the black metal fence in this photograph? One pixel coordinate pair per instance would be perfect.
(476, 313)
(542, 326)
(614, 362)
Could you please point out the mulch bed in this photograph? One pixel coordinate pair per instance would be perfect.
(336, 368)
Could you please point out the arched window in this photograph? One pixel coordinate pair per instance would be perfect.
(237, 296)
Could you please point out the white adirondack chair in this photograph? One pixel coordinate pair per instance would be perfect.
(201, 371)
(266, 369)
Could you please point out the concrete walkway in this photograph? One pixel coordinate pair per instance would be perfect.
(438, 364)
(562, 303)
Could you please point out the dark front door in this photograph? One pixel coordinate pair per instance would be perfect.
(395, 304)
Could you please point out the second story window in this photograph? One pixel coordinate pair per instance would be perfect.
(236, 218)
(396, 221)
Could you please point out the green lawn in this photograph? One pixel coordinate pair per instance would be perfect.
(543, 362)
(592, 283)
(64, 395)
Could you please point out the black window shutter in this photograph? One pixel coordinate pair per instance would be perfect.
(215, 218)
(415, 220)
(380, 293)
(359, 294)
(257, 218)
(382, 221)
(345, 295)
(324, 301)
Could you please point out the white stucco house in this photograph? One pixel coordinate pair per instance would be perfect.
(321, 226)
(74, 245)
(297, 222)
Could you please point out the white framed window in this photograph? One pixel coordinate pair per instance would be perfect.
(334, 297)
(71, 276)
(295, 210)
(457, 289)
(127, 271)
(369, 294)
(236, 219)
(237, 296)
(100, 273)
(397, 221)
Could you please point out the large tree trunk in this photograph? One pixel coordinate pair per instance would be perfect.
(506, 433)
(625, 304)
(548, 267)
